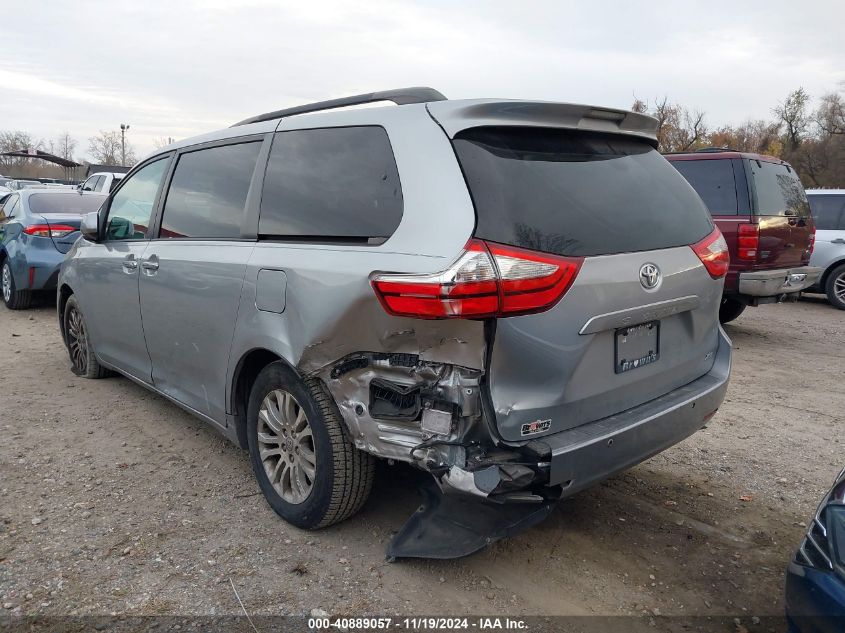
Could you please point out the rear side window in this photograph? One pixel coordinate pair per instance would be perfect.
(57, 203)
(828, 211)
(714, 181)
(778, 190)
(208, 192)
(577, 193)
(331, 183)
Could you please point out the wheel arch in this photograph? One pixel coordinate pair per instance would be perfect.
(246, 371)
(830, 268)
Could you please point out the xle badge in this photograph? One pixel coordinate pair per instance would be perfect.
(537, 426)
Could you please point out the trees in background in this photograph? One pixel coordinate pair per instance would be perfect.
(813, 141)
(105, 149)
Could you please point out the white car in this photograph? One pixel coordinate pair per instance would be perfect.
(101, 181)
(828, 208)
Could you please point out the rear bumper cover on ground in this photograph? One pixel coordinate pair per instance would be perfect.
(591, 452)
(768, 283)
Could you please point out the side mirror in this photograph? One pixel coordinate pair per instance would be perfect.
(90, 226)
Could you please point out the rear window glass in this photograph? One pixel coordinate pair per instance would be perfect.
(778, 190)
(72, 203)
(331, 183)
(828, 211)
(208, 192)
(577, 193)
(714, 181)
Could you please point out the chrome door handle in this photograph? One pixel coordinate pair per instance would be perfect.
(129, 264)
(149, 265)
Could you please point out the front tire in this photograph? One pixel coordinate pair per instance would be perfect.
(730, 309)
(310, 473)
(834, 287)
(13, 298)
(83, 361)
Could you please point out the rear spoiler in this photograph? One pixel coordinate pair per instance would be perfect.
(455, 116)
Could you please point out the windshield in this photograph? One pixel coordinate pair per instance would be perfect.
(577, 193)
(68, 203)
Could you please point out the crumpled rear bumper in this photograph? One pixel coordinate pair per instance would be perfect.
(584, 455)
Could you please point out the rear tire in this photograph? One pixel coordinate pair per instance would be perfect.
(82, 358)
(13, 298)
(834, 287)
(730, 309)
(310, 473)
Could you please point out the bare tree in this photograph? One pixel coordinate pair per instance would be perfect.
(163, 141)
(16, 141)
(792, 114)
(105, 149)
(64, 146)
(678, 128)
(830, 116)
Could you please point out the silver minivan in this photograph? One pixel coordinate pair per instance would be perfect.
(520, 298)
(828, 208)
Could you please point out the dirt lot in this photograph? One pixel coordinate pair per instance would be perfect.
(113, 500)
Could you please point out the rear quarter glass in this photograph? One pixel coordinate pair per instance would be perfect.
(577, 193)
(828, 211)
(714, 181)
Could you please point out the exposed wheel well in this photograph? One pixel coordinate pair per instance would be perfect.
(246, 372)
(63, 295)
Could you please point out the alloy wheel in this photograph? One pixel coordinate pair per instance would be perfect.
(839, 287)
(7, 283)
(286, 446)
(77, 342)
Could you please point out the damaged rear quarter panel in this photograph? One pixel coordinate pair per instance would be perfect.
(331, 310)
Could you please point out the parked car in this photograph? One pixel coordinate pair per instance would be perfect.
(828, 206)
(37, 228)
(101, 182)
(4, 182)
(520, 298)
(759, 204)
(815, 579)
(17, 185)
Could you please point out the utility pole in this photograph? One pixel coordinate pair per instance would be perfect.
(123, 128)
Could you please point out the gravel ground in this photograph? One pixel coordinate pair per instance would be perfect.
(114, 501)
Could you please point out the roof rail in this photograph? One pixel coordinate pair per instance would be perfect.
(705, 150)
(401, 96)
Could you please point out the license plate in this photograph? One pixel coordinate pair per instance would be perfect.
(636, 346)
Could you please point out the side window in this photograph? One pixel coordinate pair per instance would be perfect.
(828, 211)
(98, 186)
(714, 181)
(132, 206)
(10, 207)
(208, 192)
(331, 183)
(90, 184)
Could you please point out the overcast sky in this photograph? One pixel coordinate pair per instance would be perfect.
(178, 68)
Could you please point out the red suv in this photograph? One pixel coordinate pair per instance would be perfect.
(759, 204)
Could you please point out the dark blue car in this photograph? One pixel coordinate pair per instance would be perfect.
(37, 228)
(815, 580)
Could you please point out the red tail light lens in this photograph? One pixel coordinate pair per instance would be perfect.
(713, 253)
(748, 241)
(486, 280)
(47, 230)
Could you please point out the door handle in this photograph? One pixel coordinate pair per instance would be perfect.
(792, 221)
(129, 264)
(838, 240)
(150, 265)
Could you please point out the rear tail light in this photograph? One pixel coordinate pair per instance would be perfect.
(487, 280)
(748, 241)
(713, 253)
(47, 230)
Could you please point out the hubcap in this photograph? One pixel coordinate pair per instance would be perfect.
(77, 342)
(7, 283)
(839, 287)
(286, 446)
